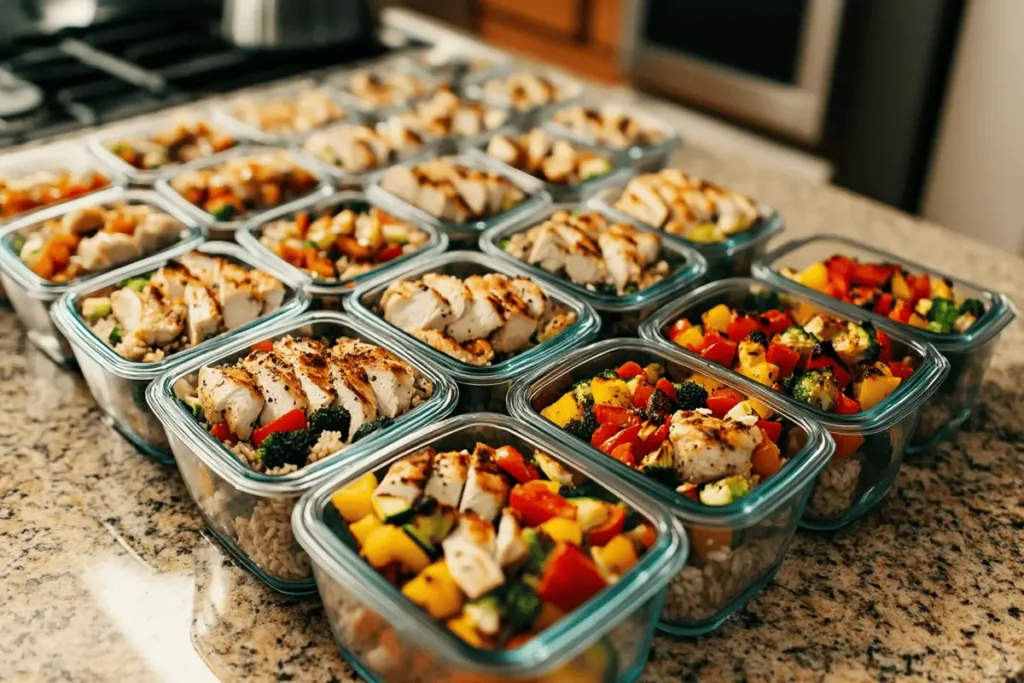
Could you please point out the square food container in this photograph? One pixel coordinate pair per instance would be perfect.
(480, 388)
(225, 230)
(476, 87)
(732, 258)
(248, 511)
(644, 158)
(387, 638)
(340, 82)
(735, 549)
(456, 63)
(869, 444)
(31, 295)
(466, 234)
(143, 128)
(620, 315)
(619, 174)
(119, 385)
(969, 353)
(330, 293)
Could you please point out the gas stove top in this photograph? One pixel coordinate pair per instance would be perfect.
(99, 74)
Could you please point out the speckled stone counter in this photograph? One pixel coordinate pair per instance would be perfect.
(108, 574)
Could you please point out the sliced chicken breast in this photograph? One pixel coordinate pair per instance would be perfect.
(354, 394)
(414, 306)
(482, 315)
(228, 394)
(163, 317)
(487, 488)
(106, 249)
(202, 313)
(391, 379)
(281, 389)
(308, 360)
(478, 353)
(519, 325)
(448, 478)
(240, 300)
(126, 305)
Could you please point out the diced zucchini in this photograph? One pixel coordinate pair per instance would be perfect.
(96, 308)
(430, 529)
(136, 284)
(392, 509)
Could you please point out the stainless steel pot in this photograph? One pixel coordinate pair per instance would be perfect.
(296, 24)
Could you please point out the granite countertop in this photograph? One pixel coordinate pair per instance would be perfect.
(109, 573)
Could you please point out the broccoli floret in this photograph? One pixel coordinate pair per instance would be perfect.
(609, 374)
(539, 545)
(691, 395)
(760, 302)
(284, 448)
(817, 388)
(588, 489)
(330, 419)
(972, 306)
(115, 335)
(659, 405)
(522, 606)
(758, 337)
(368, 428)
(857, 344)
(665, 475)
(797, 339)
(225, 213)
(943, 314)
(584, 426)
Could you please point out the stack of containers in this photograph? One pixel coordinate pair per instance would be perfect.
(869, 444)
(737, 548)
(969, 353)
(250, 511)
(387, 638)
(621, 315)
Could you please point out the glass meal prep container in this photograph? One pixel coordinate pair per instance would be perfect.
(32, 295)
(645, 157)
(224, 228)
(141, 133)
(969, 353)
(869, 444)
(617, 173)
(329, 293)
(466, 234)
(731, 258)
(365, 89)
(119, 385)
(621, 314)
(250, 511)
(737, 547)
(386, 637)
(533, 92)
(480, 387)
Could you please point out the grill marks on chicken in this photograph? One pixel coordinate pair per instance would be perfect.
(608, 126)
(554, 160)
(452, 192)
(445, 114)
(524, 91)
(590, 250)
(387, 89)
(308, 110)
(357, 148)
(474, 319)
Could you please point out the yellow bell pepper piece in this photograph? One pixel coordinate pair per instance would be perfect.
(361, 529)
(717, 318)
(874, 389)
(435, 590)
(354, 501)
(617, 556)
(917, 321)
(941, 290)
(814, 276)
(706, 382)
(763, 411)
(388, 544)
(763, 373)
(564, 409)
(464, 629)
(705, 233)
(561, 529)
(900, 287)
(610, 392)
(694, 337)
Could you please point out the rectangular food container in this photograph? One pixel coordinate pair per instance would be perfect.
(619, 174)
(736, 548)
(620, 315)
(969, 353)
(330, 294)
(869, 444)
(456, 63)
(250, 512)
(225, 230)
(119, 385)
(387, 638)
(644, 158)
(339, 81)
(480, 388)
(31, 295)
(466, 234)
(224, 111)
(476, 87)
(732, 258)
(99, 143)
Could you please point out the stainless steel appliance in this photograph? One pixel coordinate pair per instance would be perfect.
(295, 24)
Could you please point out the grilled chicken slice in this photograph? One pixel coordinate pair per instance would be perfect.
(645, 204)
(452, 290)
(308, 360)
(519, 324)
(532, 295)
(240, 300)
(106, 249)
(504, 150)
(276, 380)
(448, 478)
(414, 306)
(173, 278)
(478, 353)
(622, 258)
(469, 554)
(156, 230)
(203, 267)
(402, 182)
(583, 263)
(487, 488)
(354, 395)
(482, 315)
(268, 288)
(509, 547)
(403, 485)
(391, 379)
(708, 448)
(163, 317)
(549, 250)
(228, 394)
(84, 221)
(202, 313)
(126, 305)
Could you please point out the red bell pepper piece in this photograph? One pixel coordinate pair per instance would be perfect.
(846, 444)
(570, 578)
(786, 358)
(292, 421)
(620, 417)
(719, 350)
(885, 346)
(653, 440)
(900, 369)
(389, 253)
(920, 287)
(838, 288)
(901, 311)
(630, 435)
(536, 504)
(721, 401)
(642, 395)
(603, 433)
(678, 327)
(775, 322)
(222, 432)
(265, 345)
(846, 405)
(884, 304)
(599, 536)
(515, 463)
(667, 387)
(624, 454)
(872, 274)
(771, 429)
(740, 327)
(629, 369)
(842, 266)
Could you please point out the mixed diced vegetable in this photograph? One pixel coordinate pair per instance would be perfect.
(498, 544)
(185, 141)
(43, 188)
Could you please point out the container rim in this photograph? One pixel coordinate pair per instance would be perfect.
(908, 397)
(1001, 312)
(586, 326)
(248, 236)
(162, 400)
(69, 321)
(40, 288)
(552, 647)
(685, 275)
(799, 472)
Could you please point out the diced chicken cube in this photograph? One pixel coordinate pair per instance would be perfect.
(707, 448)
(228, 394)
(203, 313)
(448, 478)
(509, 547)
(106, 249)
(126, 305)
(163, 317)
(239, 299)
(469, 554)
(487, 488)
(83, 221)
(276, 380)
(157, 230)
